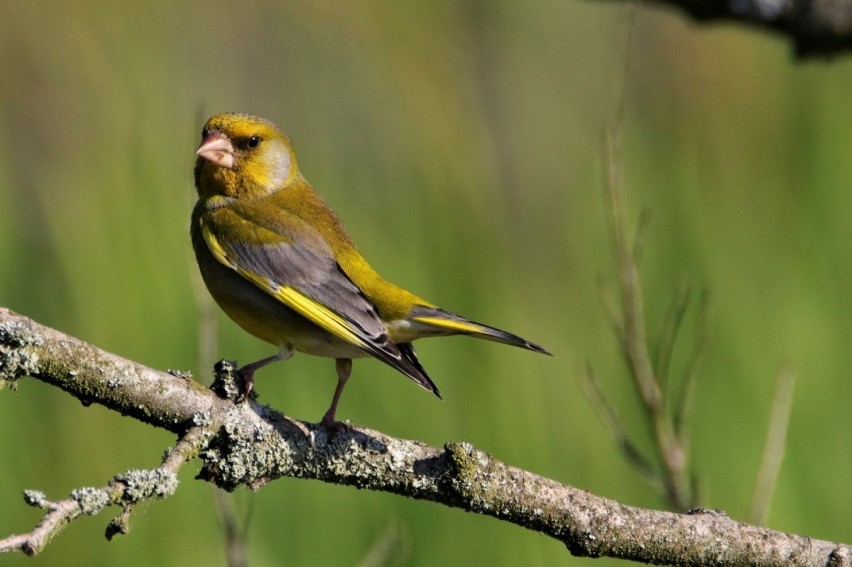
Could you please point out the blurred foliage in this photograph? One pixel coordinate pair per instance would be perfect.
(461, 142)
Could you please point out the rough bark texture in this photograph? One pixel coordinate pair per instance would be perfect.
(251, 444)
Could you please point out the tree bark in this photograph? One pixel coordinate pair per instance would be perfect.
(250, 444)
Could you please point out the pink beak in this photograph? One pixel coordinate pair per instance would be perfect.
(217, 149)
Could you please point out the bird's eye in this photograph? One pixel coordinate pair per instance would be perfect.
(253, 142)
(204, 133)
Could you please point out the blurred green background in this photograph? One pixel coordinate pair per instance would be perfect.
(461, 142)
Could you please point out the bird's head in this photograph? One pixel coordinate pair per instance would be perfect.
(243, 156)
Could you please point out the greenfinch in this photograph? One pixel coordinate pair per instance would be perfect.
(279, 262)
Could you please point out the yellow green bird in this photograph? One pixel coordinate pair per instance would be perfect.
(279, 262)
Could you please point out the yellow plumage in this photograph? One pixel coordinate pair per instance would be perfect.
(279, 262)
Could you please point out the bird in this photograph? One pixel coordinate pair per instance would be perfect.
(279, 262)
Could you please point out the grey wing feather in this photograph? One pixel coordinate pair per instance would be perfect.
(321, 278)
(310, 268)
(316, 275)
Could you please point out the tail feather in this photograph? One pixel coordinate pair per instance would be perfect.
(456, 324)
(407, 350)
(401, 356)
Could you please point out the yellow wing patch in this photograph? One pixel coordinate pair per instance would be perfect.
(320, 315)
(312, 310)
(214, 246)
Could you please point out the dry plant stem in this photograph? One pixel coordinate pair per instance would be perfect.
(256, 444)
(683, 406)
(634, 342)
(233, 529)
(610, 417)
(773, 450)
(668, 337)
(610, 306)
(393, 547)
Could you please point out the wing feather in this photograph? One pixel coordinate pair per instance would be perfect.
(307, 279)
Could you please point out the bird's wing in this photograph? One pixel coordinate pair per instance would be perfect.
(306, 278)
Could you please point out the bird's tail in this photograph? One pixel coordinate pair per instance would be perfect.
(446, 323)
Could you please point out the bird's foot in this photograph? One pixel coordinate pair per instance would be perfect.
(247, 375)
(332, 424)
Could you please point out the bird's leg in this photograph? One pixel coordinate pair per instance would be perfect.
(344, 370)
(285, 351)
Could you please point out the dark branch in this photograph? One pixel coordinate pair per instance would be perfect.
(817, 28)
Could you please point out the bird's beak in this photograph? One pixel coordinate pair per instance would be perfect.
(217, 149)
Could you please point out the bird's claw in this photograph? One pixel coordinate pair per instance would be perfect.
(332, 424)
(247, 390)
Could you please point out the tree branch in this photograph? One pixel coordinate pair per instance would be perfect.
(123, 490)
(817, 28)
(250, 444)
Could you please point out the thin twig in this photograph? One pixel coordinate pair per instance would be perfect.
(123, 490)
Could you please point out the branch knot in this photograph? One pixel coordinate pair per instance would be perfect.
(17, 354)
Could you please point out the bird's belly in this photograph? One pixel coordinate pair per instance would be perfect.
(328, 346)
